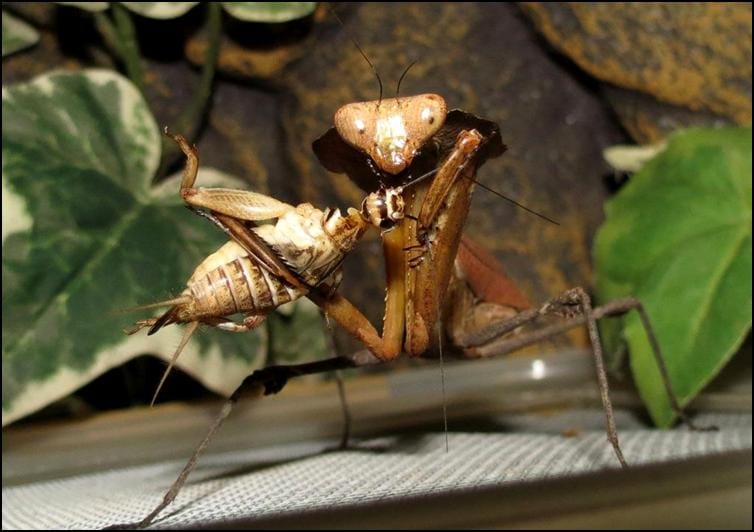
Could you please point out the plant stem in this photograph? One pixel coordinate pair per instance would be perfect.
(192, 115)
(128, 45)
(188, 122)
(108, 33)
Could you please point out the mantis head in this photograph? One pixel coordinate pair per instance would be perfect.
(391, 132)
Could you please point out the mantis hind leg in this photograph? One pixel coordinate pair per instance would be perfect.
(575, 305)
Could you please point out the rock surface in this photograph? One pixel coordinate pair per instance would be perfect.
(690, 64)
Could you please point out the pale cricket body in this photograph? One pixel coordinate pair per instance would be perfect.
(230, 281)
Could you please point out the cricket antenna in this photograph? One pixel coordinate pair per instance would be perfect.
(356, 44)
(398, 87)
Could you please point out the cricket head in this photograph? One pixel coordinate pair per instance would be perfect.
(384, 208)
(391, 132)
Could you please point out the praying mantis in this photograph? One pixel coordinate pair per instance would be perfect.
(398, 144)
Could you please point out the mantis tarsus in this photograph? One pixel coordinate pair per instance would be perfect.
(397, 142)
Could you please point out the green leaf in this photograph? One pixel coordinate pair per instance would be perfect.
(160, 10)
(17, 34)
(87, 6)
(678, 237)
(269, 11)
(298, 334)
(248, 11)
(78, 157)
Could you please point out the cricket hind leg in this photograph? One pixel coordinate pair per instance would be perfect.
(250, 322)
(240, 204)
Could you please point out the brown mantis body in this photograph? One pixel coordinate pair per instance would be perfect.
(393, 141)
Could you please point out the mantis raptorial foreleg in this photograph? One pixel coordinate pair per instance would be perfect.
(413, 294)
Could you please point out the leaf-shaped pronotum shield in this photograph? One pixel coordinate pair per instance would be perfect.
(678, 237)
(85, 234)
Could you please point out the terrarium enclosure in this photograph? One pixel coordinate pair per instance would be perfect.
(629, 125)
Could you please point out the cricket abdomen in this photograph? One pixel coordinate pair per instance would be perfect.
(230, 282)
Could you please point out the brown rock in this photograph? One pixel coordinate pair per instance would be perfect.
(648, 120)
(257, 50)
(681, 57)
(239, 61)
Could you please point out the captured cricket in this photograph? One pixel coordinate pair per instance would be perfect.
(420, 161)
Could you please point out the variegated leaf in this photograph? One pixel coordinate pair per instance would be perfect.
(269, 11)
(93, 236)
(87, 6)
(17, 34)
(160, 10)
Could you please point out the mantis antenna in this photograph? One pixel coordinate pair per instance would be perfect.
(400, 80)
(356, 44)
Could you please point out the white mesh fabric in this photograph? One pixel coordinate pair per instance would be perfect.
(294, 477)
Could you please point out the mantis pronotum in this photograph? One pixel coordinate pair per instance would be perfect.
(400, 142)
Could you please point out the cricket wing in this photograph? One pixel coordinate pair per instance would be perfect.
(260, 250)
(241, 204)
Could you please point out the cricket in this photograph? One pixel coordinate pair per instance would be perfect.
(422, 161)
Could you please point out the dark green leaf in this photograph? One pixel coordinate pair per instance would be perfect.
(298, 334)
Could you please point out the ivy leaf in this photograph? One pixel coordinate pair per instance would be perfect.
(17, 34)
(93, 7)
(93, 237)
(269, 11)
(247, 11)
(160, 10)
(678, 237)
(308, 342)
